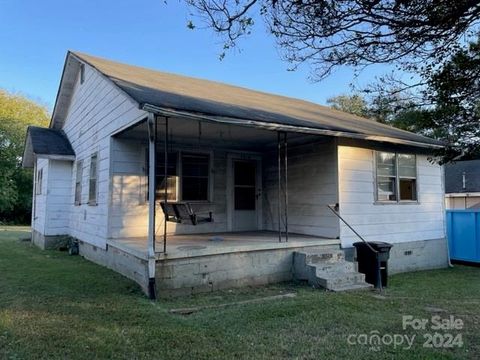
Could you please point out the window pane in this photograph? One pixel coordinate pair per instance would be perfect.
(92, 191)
(78, 182)
(171, 188)
(244, 198)
(245, 173)
(406, 165)
(386, 189)
(194, 188)
(195, 164)
(408, 189)
(92, 183)
(171, 163)
(385, 164)
(93, 166)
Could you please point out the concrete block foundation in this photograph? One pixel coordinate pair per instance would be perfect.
(182, 276)
(118, 260)
(46, 242)
(414, 255)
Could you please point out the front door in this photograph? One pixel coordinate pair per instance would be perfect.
(245, 195)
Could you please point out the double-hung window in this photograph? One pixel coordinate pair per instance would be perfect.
(93, 180)
(396, 177)
(78, 182)
(38, 186)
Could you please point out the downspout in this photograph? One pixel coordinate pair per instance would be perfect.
(151, 122)
(285, 159)
(279, 173)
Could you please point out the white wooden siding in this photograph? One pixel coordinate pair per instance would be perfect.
(40, 200)
(388, 222)
(58, 189)
(129, 214)
(97, 110)
(312, 184)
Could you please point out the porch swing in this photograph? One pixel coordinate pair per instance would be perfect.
(181, 212)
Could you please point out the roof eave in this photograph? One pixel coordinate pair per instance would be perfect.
(283, 127)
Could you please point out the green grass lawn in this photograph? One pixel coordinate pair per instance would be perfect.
(57, 306)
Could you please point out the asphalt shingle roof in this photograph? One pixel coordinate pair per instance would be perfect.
(199, 96)
(454, 177)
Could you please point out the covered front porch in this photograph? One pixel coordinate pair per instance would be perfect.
(248, 179)
(249, 197)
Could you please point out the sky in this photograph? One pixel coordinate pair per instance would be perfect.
(35, 36)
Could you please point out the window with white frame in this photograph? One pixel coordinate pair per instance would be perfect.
(39, 182)
(396, 177)
(93, 180)
(78, 182)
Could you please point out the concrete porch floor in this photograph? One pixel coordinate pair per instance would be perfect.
(194, 245)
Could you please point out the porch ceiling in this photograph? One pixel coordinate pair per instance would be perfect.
(200, 133)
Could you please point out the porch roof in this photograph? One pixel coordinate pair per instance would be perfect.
(175, 95)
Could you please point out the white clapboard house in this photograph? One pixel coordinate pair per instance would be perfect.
(243, 177)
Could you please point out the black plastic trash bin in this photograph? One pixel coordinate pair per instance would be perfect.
(367, 260)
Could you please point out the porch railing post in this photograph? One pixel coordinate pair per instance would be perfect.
(286, 183)
(279, 148)
(152, 140)
(165, 199)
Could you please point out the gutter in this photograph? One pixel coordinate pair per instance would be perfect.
(282, 127)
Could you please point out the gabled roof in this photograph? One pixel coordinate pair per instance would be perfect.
(163, 93)
(454, 174)
(46, 142)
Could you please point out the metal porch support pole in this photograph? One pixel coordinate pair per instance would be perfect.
(165, 198)
(285, 154)
(151, 122)
(279, 186)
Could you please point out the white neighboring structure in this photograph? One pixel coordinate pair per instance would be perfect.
(113, 124)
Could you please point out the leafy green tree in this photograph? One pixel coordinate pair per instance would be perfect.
(455, 93)
(16, 113)
(353, 104)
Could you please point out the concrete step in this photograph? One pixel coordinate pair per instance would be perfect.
(337, 267)
(353, 287)
(324, 256)
(328, 269)
(329, 281)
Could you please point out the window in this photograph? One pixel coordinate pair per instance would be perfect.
(171, 176)
(38, 186)
(78, 183)
(195, 171)
(194, 179)
(396, 177)
(93, 180)
(407, 177)
(160, 172)
(82, 73)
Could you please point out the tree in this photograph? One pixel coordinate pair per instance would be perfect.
(353, 104)
(16, 113)
(447, 107)
(415, 35)
(394, 111)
